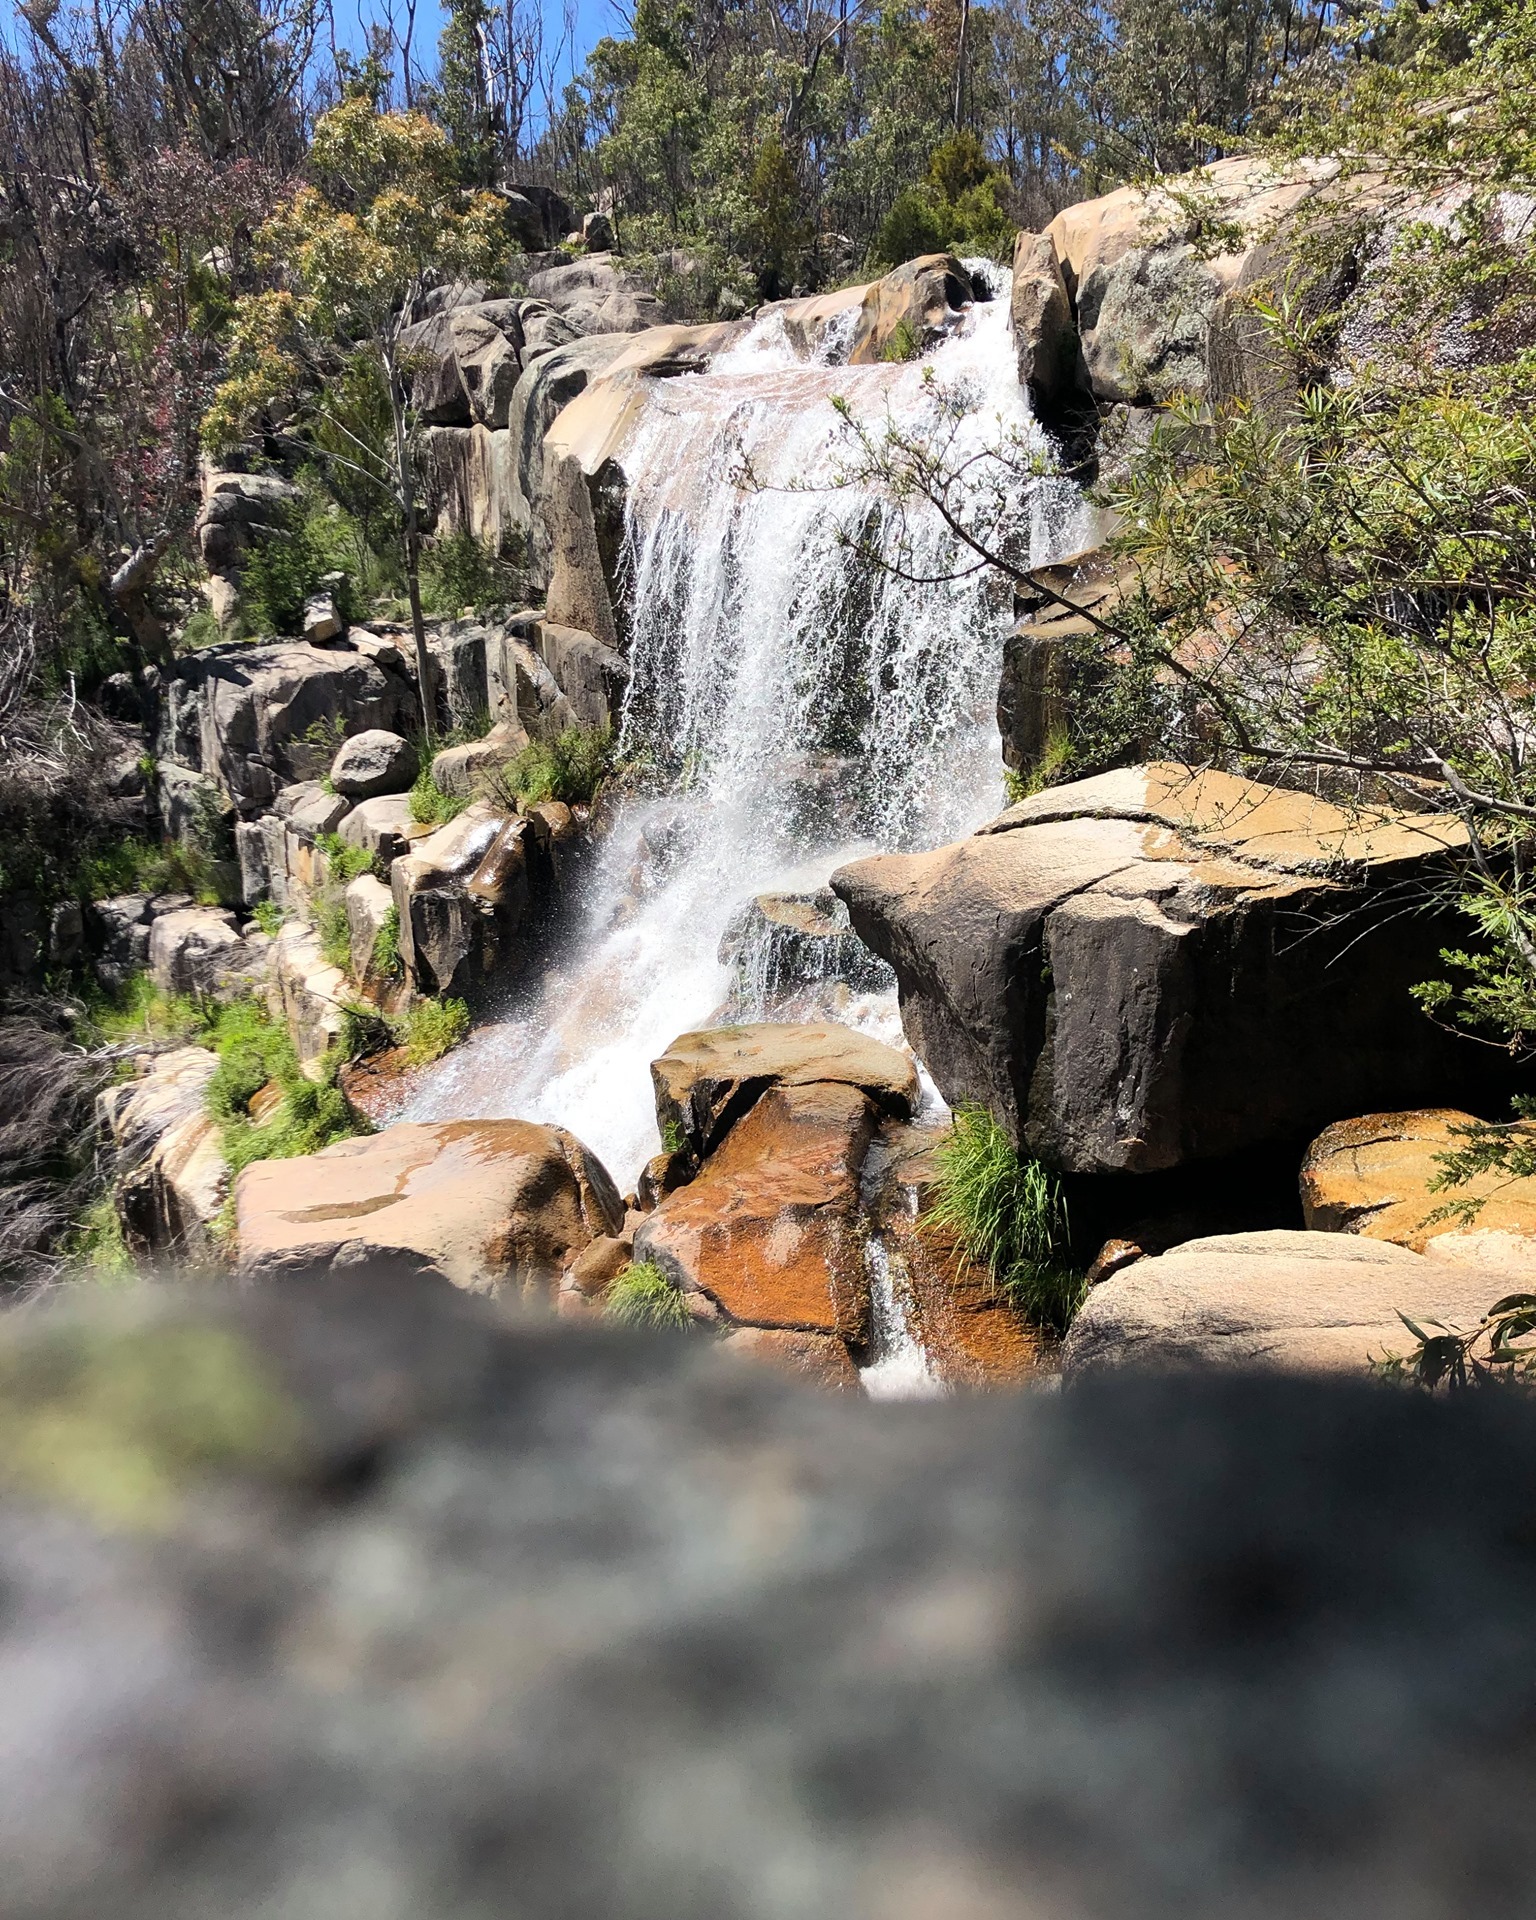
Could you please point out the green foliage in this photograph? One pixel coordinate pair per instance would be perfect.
(385, 962)
(903, 344)
(1009, 1216)
(430, 1029)
(344, 863)
(254, 1052)
(914, 226)
(571, 767)
(1506, 1148)
(643, 1296)
(136, 865)
(269, 917)
(459, 571)
(138, 1012)
(281, 571)
(1499, 1351)
(97, 1243)
(430, 806)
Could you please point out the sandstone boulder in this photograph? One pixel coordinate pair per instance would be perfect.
(1145, 278)
(252, 712)
(373, 762)
(705, 1082)
(593, 677)
(322, 619)
(492, 1205)
(598, 296)
(1150, 968)
(779, 944)
(769, 1230)
(927, 295)
(1372, 1177)
(369, 905)
(306, 991)
(167, 1162)
(472, 766)
(447, 944)
(1305, 1301)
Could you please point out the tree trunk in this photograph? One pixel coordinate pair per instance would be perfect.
(412, 554)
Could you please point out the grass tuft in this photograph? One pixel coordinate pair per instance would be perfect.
(1010, 1217)
(430, 806)
(643, 1296)
(430, 1029)
(571, 768)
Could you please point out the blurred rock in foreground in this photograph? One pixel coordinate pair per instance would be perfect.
(353, 1598)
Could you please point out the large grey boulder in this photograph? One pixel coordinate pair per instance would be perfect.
(1313, 1302)
(187, 949)
(1152, 968)
(349, 1582)
(596, 295)
(373, 762)
(379, 826)
(463, 367)
(1044, 328)
(166, 1158)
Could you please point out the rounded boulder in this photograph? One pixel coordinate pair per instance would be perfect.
(374, 762)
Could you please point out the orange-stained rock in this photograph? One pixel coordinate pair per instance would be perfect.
(1372, 1176)
(820, 1358)
(972, 1336)
(489, 1204)
(770, 1229)
(604, 1260)
(706, 1081)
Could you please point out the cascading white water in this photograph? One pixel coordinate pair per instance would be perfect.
(797, 705)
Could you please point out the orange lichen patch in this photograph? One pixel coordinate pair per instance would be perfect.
(769, 1229)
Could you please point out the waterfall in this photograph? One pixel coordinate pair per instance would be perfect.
(793, 705)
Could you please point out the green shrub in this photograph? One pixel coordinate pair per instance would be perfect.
(459, 571)
(344, 863)
(1009, 1216)
(201, 630)
(97, 1242)
(255, 1051)
(643, 1296)
(430, 1029)
(430, 806)
(903, 343)
(150, 866)
(914, 226)
(269, 916)
(571, 767)
(138, 1011)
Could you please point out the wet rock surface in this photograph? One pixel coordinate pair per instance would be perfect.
(402, 1598)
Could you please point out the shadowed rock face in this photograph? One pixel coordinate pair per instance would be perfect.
(341, 1585)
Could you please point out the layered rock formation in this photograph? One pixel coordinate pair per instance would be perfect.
(490, 1205)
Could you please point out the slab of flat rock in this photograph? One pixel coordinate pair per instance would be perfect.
(706, 1081)
(1310, 1302)
(492, 1205)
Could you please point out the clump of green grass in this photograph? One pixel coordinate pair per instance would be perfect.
(570, 767)
(430, 806)
(430, 1029)
(344, 863)
(643, 1296)
(269, 916)
(151, 866)
(385, 961)
(1009, 1216)
(97, 1242)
